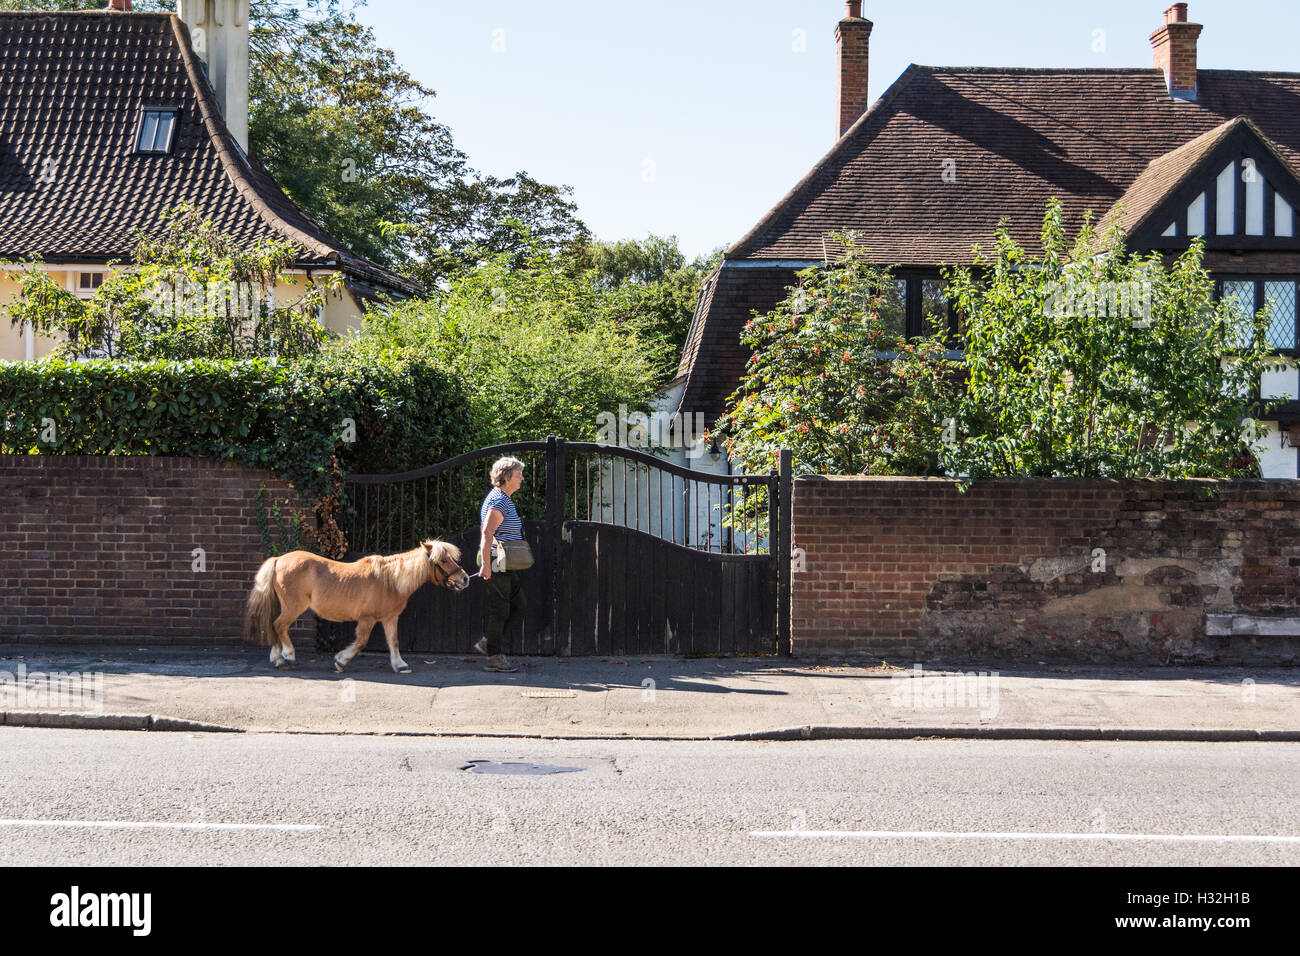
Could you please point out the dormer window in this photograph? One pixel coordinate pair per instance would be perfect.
(156, 130)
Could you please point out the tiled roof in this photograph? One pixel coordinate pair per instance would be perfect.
(1015, 138)
(692, 346)
(1163, 174)
(73, 190)
(713, 359)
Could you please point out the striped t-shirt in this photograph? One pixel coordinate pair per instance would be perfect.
(510, 528)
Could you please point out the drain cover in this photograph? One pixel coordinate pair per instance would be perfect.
(491, 766)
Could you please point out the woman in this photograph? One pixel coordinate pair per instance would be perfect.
(500, 522)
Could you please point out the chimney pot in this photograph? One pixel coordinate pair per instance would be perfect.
(120, 6)
(1175, 52)
(853, 9)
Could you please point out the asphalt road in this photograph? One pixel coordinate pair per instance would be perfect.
(110, 798)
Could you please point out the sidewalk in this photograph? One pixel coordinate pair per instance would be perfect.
(235, 689)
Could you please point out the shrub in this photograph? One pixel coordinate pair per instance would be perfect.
(1085, 360)
(1088, 360)
(287, 419)
(194, 292)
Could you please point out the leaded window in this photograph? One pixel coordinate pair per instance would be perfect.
(1246, 296)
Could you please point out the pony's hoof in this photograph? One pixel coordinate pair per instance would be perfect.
(281, 665)
(403, 668)
(338, 668)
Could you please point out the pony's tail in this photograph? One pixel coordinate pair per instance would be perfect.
(263, 605)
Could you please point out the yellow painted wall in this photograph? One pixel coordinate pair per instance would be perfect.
(342, 312)
(12, 344)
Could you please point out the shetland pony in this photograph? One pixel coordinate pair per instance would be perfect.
(375, 588)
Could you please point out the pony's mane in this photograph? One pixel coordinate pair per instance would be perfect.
(442, 549)
(410, 569)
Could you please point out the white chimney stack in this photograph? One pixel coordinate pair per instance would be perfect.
(219, 34)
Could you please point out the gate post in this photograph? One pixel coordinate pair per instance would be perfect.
(555, 526)
(782, 546)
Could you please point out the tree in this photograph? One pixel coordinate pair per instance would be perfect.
(348, 135)
(540, 350)
(666, 286)
(832, 382)
(1089, 360)
(193, 292)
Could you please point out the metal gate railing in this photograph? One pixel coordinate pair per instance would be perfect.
(725, 521)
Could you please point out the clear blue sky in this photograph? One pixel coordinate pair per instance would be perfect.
(695, 118)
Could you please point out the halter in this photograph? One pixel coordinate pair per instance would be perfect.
(446, 575)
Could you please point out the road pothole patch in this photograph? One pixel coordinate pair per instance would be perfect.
(517, 769)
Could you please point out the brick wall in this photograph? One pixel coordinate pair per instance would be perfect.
(101, 548)
(910, 569)
(853, 37)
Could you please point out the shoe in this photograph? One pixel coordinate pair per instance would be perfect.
(481, 646)
(500, 664)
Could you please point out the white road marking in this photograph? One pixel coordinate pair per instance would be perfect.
(1089, 837)
(159, 825)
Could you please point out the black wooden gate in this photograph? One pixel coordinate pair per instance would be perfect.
(634, 555)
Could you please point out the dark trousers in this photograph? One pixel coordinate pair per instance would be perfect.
(506, 604)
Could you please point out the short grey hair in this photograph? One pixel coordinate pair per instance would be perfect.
(503, 469)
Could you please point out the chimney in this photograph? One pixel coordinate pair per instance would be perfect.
(120, 6)
(219, 35)
(851, 36)
(1175, 46)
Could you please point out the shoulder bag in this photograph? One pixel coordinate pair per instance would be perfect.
(511, 556)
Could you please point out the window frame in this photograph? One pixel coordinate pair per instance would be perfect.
(1259, 280)
(916, 300)
(145, 111)
(93, 286)
(914, 322)
(913, 300)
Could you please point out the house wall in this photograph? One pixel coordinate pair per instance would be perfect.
(102, 549)
(1057, 571)
(13, 346)
(342, 312)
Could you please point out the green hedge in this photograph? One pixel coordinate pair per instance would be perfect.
(287, 419)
